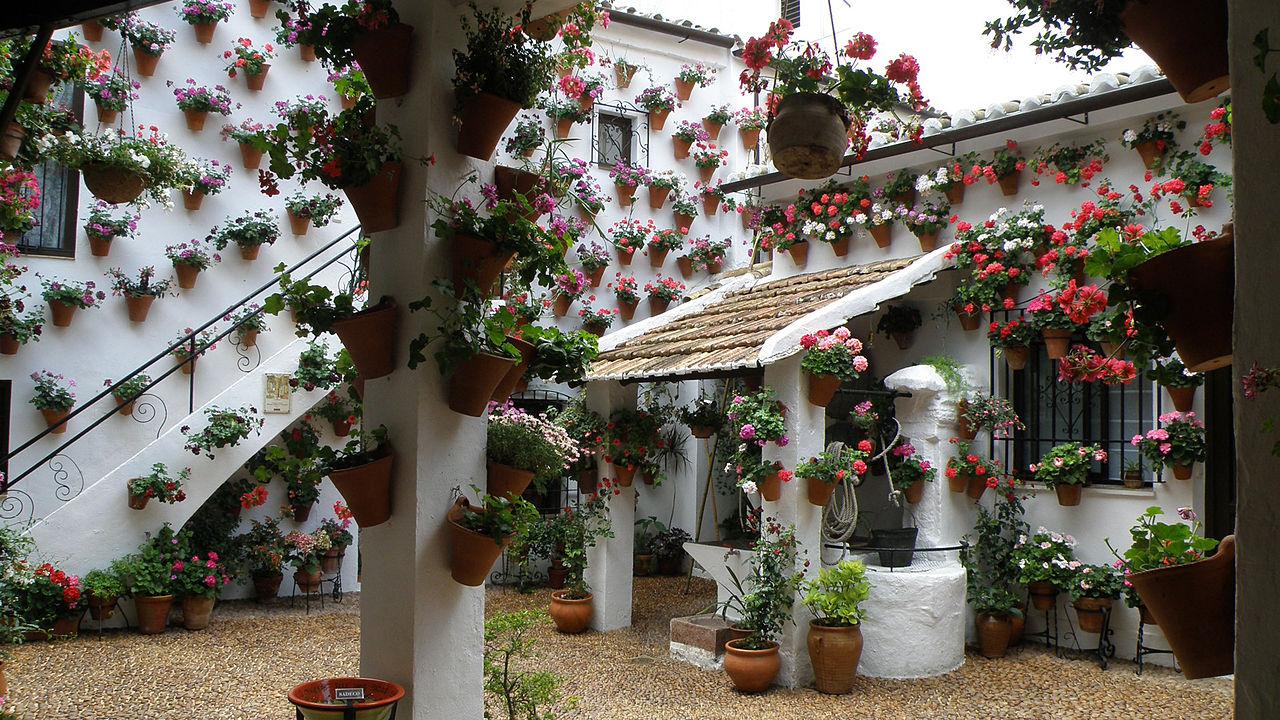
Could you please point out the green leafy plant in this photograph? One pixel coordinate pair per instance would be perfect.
(766, 606)
(1067, 464)
(522, 694)
(470, 328)
(201, 576)
(320, 209)
(52, 391)
(316, 307)
(559, 356)
(1045, 556)
(580, 528)
(499, 518)
(1082, 34)
(899, 319)
(702, 412)
(835, 596)
(1160, 545)
(495, 60)
(757, 418)
(1179, 442)
(833, 467)
(148, 572)
(159, 484)
(949, 369)
(983, 411)
(226, 427)
(1171, 373)
(102, 584)
(1096, 581)
(532, 443)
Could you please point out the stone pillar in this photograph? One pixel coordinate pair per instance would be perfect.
(1257, 141)
(609, 563)
(806, 431)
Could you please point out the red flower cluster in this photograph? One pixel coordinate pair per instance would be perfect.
(70, 584)
(1081, 303)
(256, 497)
(1085, 365)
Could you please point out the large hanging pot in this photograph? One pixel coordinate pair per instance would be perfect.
(477, 261)
(471, 555)
(514, 181)
(504, 480)
(472, 384)
(370, 337)
(1197, 286)
(822, 388)
(112, 184)
(367, 489)
(514, 375)
(834, 652)
(384, 56)
(808, 136)
(484, 117)
(1187, 39)
(1194, 605)
(571, 615)
(377, 202)
(818, 491)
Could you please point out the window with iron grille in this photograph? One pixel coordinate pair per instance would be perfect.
(791, 11)
(55, 230)
(1058, 412)
(614, 137)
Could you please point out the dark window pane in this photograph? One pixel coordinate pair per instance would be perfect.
(613, 139)
(791, 11)
(55, 232)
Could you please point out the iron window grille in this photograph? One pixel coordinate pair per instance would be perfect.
(55, 230)
(790, 10)
(620, 131)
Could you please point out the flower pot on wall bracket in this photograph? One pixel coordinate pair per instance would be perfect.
(145, 63)
(477, 261)
(256, 81)
(684, 89)
(1056, 342)
(771, 486)
(1196, 286)
(955, 193)
(1183, 398)
(1017, 356)
(915, 493)
(506, 481)
(484, 118)
(975, 487)
(808, 136)
(1068, 494)
(822, 388)
(1009, 183)
(882, 234)
(819, 492)
(658, 119)
(471, 554)
(187, 275)
(1187, 39)
(473, 382)
(112, 184)
(62, 312)
(384, 56)
(92, 31)
(625, 474)
(799, 253)
(370, 337)
(1194, 605)
(377, 202)
(205, 31)
(11, 142)
(658, 196)
(513, 376)
(623, 75)
(259, 8)
(512, 181)
(367, 489)
(139, 306)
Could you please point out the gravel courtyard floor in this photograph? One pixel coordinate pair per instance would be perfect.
(242, 666)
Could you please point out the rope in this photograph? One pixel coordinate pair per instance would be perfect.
(840, 517)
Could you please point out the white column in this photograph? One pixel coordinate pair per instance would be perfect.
(806, 431)
(609, 563)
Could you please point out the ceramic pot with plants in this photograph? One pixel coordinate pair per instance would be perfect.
(835, 635)
(751, 671)
(571, 615)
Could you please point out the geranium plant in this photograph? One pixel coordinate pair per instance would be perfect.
(832, 467)
(249, 230)
(200, 98)
(204, 12)
(319, 209)
(968, 464)
(690, 132)
(112, 91)
(757, 418)
(1045, 556)
(207, 177)
(145, 286)
(1179, 443)
(1155, 138)
(835, 353)
(982, 411)
(665, 288)
(625, 288)
(76, 294)
(1067, 464)
(495, 60)
(594, 257)
(1070, 164)
(244, 58)
(1159, 545)
(707, 155)
(147, 155)
(706, 254)
(528, 136)
(52, 391)
(161, 485)
(224, 427)
(149, 38)
(196, 254)
(907, 467)
(656, 100)
(630, 235)
(128, 390)
(1096, 581)
(597, 319)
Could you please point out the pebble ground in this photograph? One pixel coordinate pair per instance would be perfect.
(244, 664)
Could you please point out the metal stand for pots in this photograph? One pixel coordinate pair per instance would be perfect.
(1105, 649)
(1144, 651)
(117, 608)
(318, 594)
(1050, 638)
(336, 583)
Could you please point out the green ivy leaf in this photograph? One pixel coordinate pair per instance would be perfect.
(1271, 100)
(1263, 44)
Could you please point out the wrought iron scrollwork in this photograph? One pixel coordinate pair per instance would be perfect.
(69, 486)
(639, 132)
(149, 409)
(250, 357)
(16, 505)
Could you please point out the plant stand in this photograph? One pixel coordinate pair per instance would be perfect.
(335, 583)
(1050, 632)
(1143, 651)
(1105, 649)
(318, 595)
(101, 624)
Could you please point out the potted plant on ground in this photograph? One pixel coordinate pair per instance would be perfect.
(910, 472)
(829, 469)
(995, 607)
(667, 546)
(643, 562)
(200, 580)
(202, 179)
(265, 553)
(102, 591)
(340, 538)
(900, 322)
(662, 292)
(197, 101)
(305, 551)
(46, 598)
(1179, 444)
(159, 484)
(1045, 560)
(127, 392)
(149, 41)
(1065, 468)
(119, 168)
(658, 102)
(752, 662)
(703, 416)
(190, 259)
(580, 530)
(1189, 594)
(225, 427)
(1176, 380)
(65, 297)
(478, 534)
(53, 397)
(103, 226)
(831, 358)
(1093, 590)
(835, 634)
(138, 294)
(150, 578)
(524, 449)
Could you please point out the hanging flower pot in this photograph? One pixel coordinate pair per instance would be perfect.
(627, 309)
(138, 306)
(187, 275)
(384, 57)
(771, 486)
(1056, 342)
(1089, 612)
(1009, 183)
(259, 8)
(370, 337)
(882, 234)
(196, 612)
(1194, 605)
(471, 554)
(204, 31)
(705, 174)
(506, 481)
(915, 493)
(904, 339)
(377, 202)
(367, 489)
(473, 382)
(799, 253)
(564, 127)
(834, 652)
(341, 428)
(658, 196)
(571, 615)
(840, 247)
(822, 388)
(9, 344)
(968, 321)
(195, 119)
(153, 613)
(685, 264)
(993, 634)
(298, 225)
(476, 261)
(625, 474)
(92, 30)
(562, 304)
(750, 138)
(307, 582)
(1187, 39)
(808, 136)
(99, 246)
(192, 200)
(626, 194)
(1198, 284)
(256, 81)
(1068, 494)
(964, 428)
(38, 85)
(623, 75)
(751, 671)
(250, 156)
(11, 141)
(113, 184)
(955, 193)
(250, 252)
(1150, 153)
(1017, 356)
(684, 89)
(138, 502)
(1043, 595)
(684, 222)
(318, 699)
(1181, 472)
(681, 147)
(484, 118)
(658, 119)
(657, 256)
(594, 277)
(56, 419)
(975, 487)
(301, 511)
(145, 63)
(63, 313)
(266, 588)
(658, 305)
(710, 204)
(818, 492)
(713, 128)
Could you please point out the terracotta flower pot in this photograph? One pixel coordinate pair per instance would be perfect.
(192, 200)
(476, 261)
(819, 492)
(684, 89)
(1043, 595)
(1068, 495)
(751, 671)
(377, 202)
(153, 613)
(750, 138)
(307, 52)
(808, 136)
(370, 337)
(62, 312)
(706, 173)
(713, 128)
(1183, 398)
(710, 205)
(1089, 613)
(771, 486)
(196, 612)
(66, 627)
(384, 56)
(624, 474)
(307, 582)
(658, 119)
(571, 615)
(1198, 283)
(138, 502)
(627, 309)
(473, 382)
(196, 119)
(11, 142)
(626, 194)
(643, 565)
(1017, 356)
(331, 561)
(56, 419)
(993, 634)
(681, 147)
(484, 118)
(1187, 39)
(625, 255)
(594, 277)
(250, 156)
(301, 511)
(822, 388)
(882, 234)
(107, 116)
(1056, 342)
(1194, 605)
(367, 490)
(658, 305)
(1009, 183)
(904, 340)
(341, 428)
(247, 338)
(623, 76)
(515, 375)
(969, 321)
(1181, 472)
(259, 8)
(702, 432)
(562, 304)
(92, 31)
(471, 555)
(657, 256)
(298, 225)
(685, 265)
(101, 608)
(205, 31)
(145, 63)
(834, 652)
(975, 486)
(187, 275)
(112, 184)
(564, 127)
(256, 81)
(684, 222)
(658, 197)
(9, 345)
(250, 252)
(99, 246)
(928, 241)
(139, 306)
(955, 193)
(556, 575)
(959, 483)
(267, 588)
(314, 700)
(915, 493)
(1150, 153)
(799, 253)
(504, 480)
(840, 247)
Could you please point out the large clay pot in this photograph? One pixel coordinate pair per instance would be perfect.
(138, 307)
(751, 671)
(367, 489)
(505, 480)
(1068, 495)
(822, 388)
(476, 261)
(818, 491)
(153, 613)
(112, 184)
(331, 561)
(1043, 595)
(624, 474)
(1017, 356)
(472, 384)
(377, 202)
(196, 612)
(384, 55)
(316, 699)
(1089, 612)
(63, 313)
(307, 582)
(513, 376)
(808, 136)
(834, 652)
(370, 337)
(471, 554)
(145, 63)
(1056, 342)
(1197, 284)
(975, 487)
(1194, 605)
(267, 588)
(993, 634)
(55, 419)
(1187, 39)
(484, 118)
(571, 615)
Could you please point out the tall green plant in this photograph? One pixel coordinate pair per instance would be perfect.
(521, 694)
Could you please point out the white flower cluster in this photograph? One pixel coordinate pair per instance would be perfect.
(933, 181)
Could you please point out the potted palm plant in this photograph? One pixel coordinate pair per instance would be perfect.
(835, 633)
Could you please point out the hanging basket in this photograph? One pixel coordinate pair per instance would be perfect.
(384, 57)
(471, 554)
(808, 136)
(370, 337)
(1187, 39)
(473, 382)
(484, 118)
(367, 489)
(112, 184)
(1197, 285)
(377, 202)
